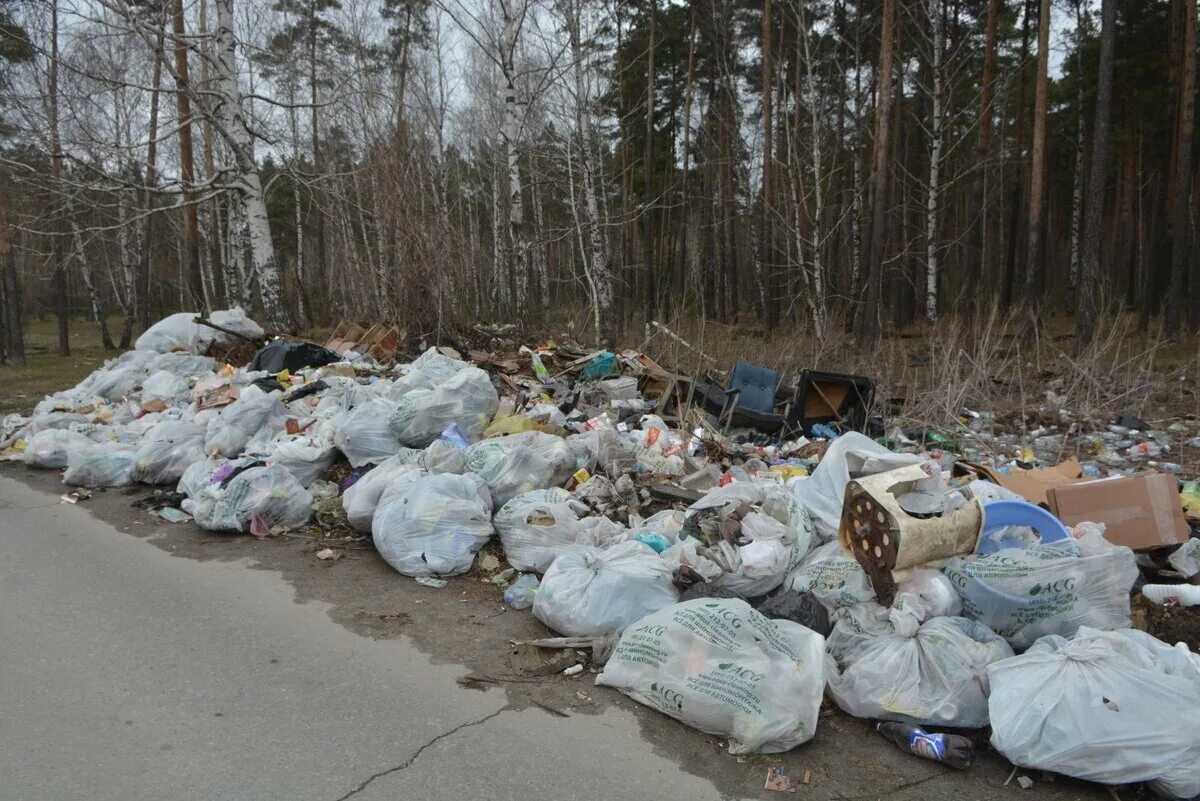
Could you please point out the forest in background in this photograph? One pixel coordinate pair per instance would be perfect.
(819, 166)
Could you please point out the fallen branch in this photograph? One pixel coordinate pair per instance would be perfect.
(223, 329)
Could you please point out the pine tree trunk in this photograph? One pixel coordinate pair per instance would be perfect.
(649, 284)
(1090, 280)
(1034, 267)
(869, 323)
(14, 332)
(1182, 192)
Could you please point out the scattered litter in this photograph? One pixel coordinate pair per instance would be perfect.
(173, 515)
(574, 670)
(1025, 782)
(430, 581)
(779, 781)
(329, 554)
(75, 497)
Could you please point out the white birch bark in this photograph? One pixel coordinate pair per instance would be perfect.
(934, 9)
(518, 248)
(232, 123)
(817, 285)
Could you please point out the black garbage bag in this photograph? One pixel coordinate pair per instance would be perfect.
(798, 607)
(283, 354)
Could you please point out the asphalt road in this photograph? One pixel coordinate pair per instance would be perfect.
(127, 674)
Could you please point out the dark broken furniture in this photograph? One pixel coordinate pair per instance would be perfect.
(750, 400)
(835, 399)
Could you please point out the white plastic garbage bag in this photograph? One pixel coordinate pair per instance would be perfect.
(429, 525)
(179, 332)
(520, 463)
(466, 398)
(721, 667)
(592, 591)
(306, 457)
(270, 492)
(536, 526)
(833, 576)
(1107, 706)
(49, 449)
(850, 455)
(102, 464)
(167, 450)
(360, 498)
(198, 476)
(363, 433)
(1051, 588)
(444, 457)
(184, 365)
(255, 412)
(935, 676)
(165, 386)
(425, 372)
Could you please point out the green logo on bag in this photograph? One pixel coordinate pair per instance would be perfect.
(668, 696)
(740, 672)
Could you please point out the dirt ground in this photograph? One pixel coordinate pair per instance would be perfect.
(467, 623)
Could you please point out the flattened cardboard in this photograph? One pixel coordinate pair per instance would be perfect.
(1141, 511)
(1032, 485)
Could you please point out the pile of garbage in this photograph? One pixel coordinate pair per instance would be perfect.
(731, 576)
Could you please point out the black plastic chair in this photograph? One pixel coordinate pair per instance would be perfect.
(750, 399)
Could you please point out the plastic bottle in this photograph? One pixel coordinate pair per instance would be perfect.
(1183, 594)
(520, 593)
(950, 749)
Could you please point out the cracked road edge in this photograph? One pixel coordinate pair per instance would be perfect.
(403, 765)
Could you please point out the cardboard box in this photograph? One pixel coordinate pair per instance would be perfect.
(1141, 511)
(1032, 485)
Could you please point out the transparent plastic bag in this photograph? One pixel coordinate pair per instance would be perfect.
(425, 372)
(165, 386)
(427, 525)
(270, 492)
(591, 591)
(361, 498)
(936, 676)
(721, 667)
(306, 458)
(102, 464)
(363, 433)
(833, 576)
(49, 449)
(444, 457)
(520, 463)
(1108, 706)
(1051, 588)
(253, 413)
(167, 450)
(180, 332)
(466, 398)
(536, 526)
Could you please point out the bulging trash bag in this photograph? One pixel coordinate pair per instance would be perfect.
(425, 372)
(363, 433)
(49, 449)
(361, 498)
(181, 364)
(102, 464)
(179, 332)
(536, 526)
(592, 591)
(1050, 588)
(721, 667)
(114, 380)
(429, 525)
(833, 576)
(165, 386)
(520, 463)
(466, 398)
(167, 450)
(270, 492)
(443, 457)
(1107, 706)
(197, 477)
(934, 675)
(306, 457)
(253, 413)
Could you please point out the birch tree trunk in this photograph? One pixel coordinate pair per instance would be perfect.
(934, 9)
(518, 246)
(816, 285)
(258, 227)
(95, 307)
